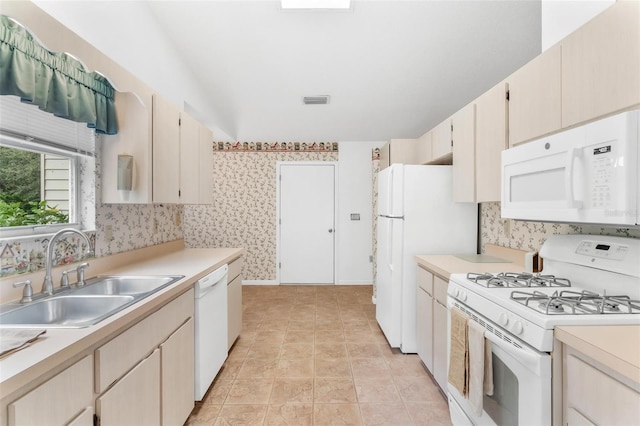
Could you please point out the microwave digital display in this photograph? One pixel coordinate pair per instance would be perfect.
(603, 247)
(602, 150)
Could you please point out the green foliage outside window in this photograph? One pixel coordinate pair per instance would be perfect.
(29, 213)
(20, 203)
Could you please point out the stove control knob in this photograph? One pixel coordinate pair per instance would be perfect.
(517, 327)
(504, 319)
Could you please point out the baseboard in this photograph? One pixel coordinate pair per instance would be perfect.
(259, 282)
(354, 282)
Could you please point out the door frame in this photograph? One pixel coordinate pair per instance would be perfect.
(279, 164)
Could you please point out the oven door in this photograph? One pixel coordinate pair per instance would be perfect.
(521, 381)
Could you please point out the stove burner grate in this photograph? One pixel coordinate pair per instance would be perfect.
(517, 279)
(576, 303)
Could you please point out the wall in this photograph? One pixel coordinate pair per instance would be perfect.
(108, 28)
(355, 244)
(531, 235)
(243, 213)
(561, 17)
(132, 228)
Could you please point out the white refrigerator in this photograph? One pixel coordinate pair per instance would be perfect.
(416, 216)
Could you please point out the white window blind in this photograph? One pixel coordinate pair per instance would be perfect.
(29, 125)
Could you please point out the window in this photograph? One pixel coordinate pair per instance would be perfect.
(40, 173)
(35, 187)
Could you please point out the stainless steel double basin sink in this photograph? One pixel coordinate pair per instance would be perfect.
(83, 306)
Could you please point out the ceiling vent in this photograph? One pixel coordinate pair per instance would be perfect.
(316, 100)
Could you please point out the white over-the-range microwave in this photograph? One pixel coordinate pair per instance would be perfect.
(588, 174)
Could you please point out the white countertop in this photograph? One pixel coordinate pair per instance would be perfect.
(58, 346)
(446, 264)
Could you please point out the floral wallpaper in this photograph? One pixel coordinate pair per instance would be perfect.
(531, 235)
(244, 210)
(133, 226)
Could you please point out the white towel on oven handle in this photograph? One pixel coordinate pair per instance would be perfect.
(488, 368)
(477, 366)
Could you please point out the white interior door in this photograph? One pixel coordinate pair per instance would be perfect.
(307, 223)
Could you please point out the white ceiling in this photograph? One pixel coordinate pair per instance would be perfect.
(393, 69)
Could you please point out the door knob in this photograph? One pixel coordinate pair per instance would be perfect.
(330, 231)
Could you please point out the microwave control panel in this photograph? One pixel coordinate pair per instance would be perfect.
(602, 176)
(612, 251)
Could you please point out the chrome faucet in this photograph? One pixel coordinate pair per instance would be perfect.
(47, 285)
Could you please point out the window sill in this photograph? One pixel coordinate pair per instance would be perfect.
(20, 232)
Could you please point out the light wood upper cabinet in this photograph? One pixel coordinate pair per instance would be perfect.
(166, 151)
(491, 140)
(133, 113)
(601, 65)
(441, 141)
(189, 192)
(206, 166)
(424, 148)
(463, 135)
(59, 400)
(385, 156)
(180, 173)
(398, 151)
(534, 98)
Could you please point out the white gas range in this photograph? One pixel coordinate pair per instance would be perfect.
(586, 280)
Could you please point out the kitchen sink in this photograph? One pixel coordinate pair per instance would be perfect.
(66, 311)
(83, 306)
(127, 285)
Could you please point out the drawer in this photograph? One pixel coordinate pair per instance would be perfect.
(235, 268)
(58, 400)
(122, 353)
(425, 280)
(440, 290)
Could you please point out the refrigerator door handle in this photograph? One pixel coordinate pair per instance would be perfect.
(390, 192)
(390, 245)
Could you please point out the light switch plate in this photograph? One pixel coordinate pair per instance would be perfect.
(355, 216)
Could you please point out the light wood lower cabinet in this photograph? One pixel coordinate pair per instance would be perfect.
(432, 316)
(440, 360)
(594, 396)
(177, 365)
(160, 387)
(424, 313)
(59, 400)
(134, 399)
(234, 301)
(234, 310)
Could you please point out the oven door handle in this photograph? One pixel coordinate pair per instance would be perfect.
(524, 357)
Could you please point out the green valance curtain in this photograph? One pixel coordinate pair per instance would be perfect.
(56, 82)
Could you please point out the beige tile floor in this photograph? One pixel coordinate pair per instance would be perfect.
(314, 355)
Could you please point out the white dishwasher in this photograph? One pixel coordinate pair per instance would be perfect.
(210, 329)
